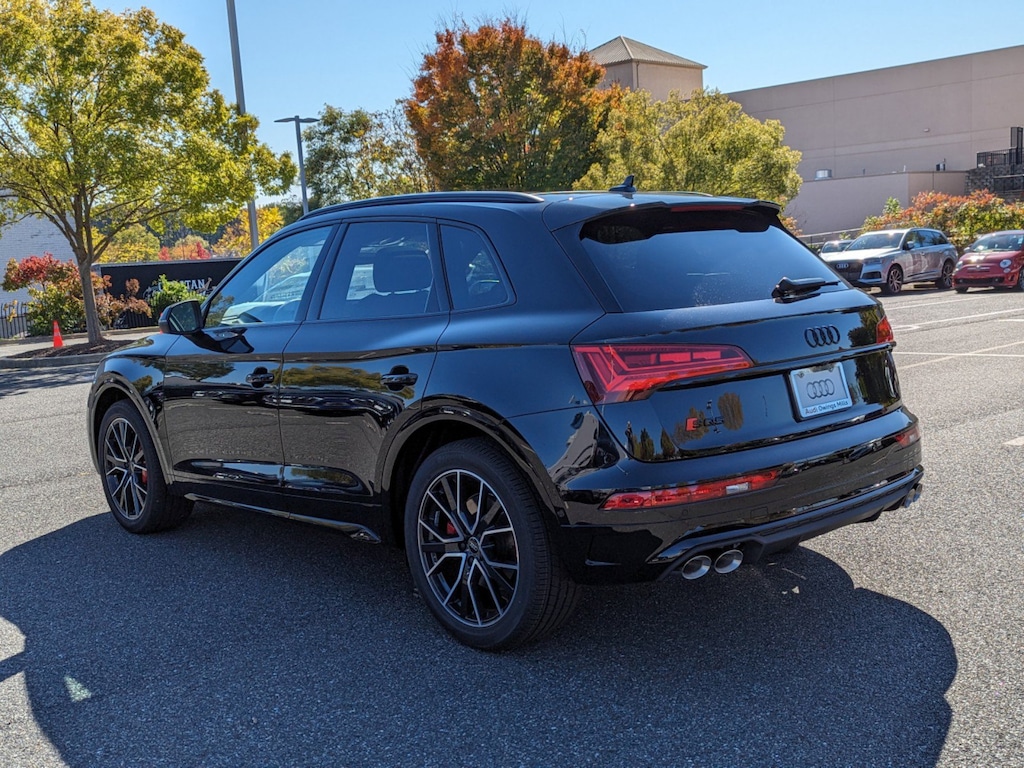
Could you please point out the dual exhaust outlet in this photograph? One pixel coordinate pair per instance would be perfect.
(701, 565)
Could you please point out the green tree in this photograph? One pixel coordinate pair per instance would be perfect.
(133, 243)
(236, 240)
(107, 120)
(359, 154)
(702, 144)
(495, 108)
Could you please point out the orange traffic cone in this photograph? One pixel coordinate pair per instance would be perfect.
(58, 340)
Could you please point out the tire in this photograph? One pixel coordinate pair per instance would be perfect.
(133, 480)
(491, 579)
(1019, 285)
(893, 281)
(945, 280)
(960, 289)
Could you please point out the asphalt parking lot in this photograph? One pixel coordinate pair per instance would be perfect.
(240, 640)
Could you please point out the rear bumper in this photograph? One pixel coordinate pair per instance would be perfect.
(826, 481)
(760, 540)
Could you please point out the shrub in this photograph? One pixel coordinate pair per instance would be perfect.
(171, 292)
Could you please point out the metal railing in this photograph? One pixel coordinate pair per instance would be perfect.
(1012, 156)
(13, 320)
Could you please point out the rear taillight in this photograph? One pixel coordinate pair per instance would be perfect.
(688, 494)
(909, 436)
(883, 332)
(613, 373)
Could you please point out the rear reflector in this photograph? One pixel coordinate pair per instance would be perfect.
(613, 373)
(883, 332)
(688, 494)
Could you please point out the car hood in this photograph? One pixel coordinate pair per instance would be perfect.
(858, 255)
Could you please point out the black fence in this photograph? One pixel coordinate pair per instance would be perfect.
(13, 320)
(1012, 156)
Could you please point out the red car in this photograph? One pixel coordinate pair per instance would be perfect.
(996, 259)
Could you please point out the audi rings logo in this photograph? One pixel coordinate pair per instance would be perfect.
(821, 336)
(820, 388)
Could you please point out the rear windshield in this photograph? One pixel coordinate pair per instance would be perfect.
(668, 258)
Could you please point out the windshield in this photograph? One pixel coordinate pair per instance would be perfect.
(1005, 241)
(876, 240)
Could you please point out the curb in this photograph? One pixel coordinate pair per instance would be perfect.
(51, 362)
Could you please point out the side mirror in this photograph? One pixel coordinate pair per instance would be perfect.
(908, 246)
(182, 318)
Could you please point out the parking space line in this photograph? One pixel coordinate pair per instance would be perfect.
(925, 303)
(954, 355)
(959, 319)
(1015, 443)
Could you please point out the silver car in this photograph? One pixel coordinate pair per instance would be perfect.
(892, 258)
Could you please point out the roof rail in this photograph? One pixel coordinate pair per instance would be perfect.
(430, 197)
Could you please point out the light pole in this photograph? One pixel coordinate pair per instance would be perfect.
(298, 140)
(236, 62)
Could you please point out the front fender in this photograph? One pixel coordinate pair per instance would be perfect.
(138, 380)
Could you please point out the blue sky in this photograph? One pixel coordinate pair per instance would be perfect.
(302, 54)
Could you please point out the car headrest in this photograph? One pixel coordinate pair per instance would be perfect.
(401, 269)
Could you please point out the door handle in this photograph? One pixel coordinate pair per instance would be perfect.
(259, 377)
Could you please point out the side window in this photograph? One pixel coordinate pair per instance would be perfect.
(936, 238)
(384, 269)
(474, 276)
(270, 286)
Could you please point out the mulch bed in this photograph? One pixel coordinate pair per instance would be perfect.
(72, 350)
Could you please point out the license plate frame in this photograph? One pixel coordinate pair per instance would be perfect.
(819, 390)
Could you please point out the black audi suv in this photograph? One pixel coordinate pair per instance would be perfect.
(526, 392)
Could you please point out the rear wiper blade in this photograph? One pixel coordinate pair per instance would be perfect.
(802, 287)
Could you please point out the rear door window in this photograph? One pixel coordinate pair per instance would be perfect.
(383, 269)
(666, 258)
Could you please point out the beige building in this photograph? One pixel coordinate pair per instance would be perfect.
(637, 66)
(872, 135)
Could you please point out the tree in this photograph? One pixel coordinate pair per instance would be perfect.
(494, 108)
(359, 154)
(107, 120)
(133, 243)
(961, 217)
(236, 240)
(702, 144)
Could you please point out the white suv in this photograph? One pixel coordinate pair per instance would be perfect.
(892, 258)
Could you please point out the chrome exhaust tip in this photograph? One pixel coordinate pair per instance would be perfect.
(695, 567)
(914, 495)
(728, 561)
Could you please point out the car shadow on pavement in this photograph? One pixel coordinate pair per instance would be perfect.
(246, 640)
(15, 381)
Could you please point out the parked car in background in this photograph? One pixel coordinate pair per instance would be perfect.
(834, 246)
(525, 392)
(996, 260)
(892, 258)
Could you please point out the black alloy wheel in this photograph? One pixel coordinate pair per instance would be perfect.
(945, 280)
(1019, 285)
(893, 281)
(132, 479)
(479, 552)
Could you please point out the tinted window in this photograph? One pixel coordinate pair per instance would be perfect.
(474, 276)
(270, 286)
(662, 259)
(384, 269)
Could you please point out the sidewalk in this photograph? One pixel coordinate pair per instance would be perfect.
(15, 347)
